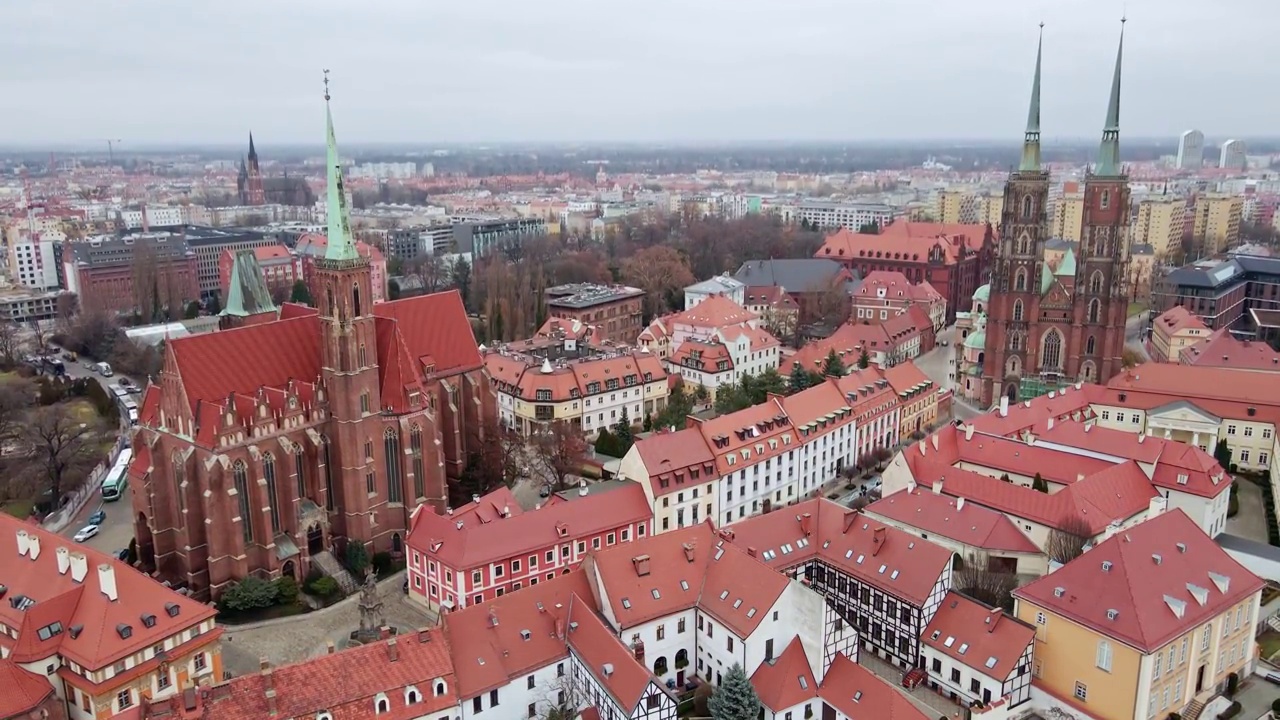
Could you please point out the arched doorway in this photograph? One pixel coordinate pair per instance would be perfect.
(397, 544)
(1012, 392)
(660, 666)
(315, 539)
(289, 570)
(682, 662)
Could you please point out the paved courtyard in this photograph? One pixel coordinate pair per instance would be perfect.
(297, 638)
(929, 702)
(1250, 523)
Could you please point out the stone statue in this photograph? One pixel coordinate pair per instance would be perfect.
(370, 605)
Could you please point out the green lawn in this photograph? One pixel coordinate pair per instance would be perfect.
(83, 410)
(1269, 642)
(1137, 307)
(20, 509)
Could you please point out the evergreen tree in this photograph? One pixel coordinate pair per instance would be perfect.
(871, 228)
(1222, 454)
(833, 365)
(735, 699)
(213, 306)
(193, 310)
(1038, 483)
(606, 443)
(622, 435)
(462, 279)
(799, 379)
(301, 293)
(864, 360)
(648, 423)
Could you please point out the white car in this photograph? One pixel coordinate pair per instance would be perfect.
(86, 532)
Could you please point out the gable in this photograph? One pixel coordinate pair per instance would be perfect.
(1183, 411)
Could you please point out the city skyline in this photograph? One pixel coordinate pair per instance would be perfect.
(819, 72)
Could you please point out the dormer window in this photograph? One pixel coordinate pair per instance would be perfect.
(441, 688)
(412, 696)
(381, 704)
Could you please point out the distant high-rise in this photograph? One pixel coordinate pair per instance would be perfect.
(1191, 150)
(1233, 155)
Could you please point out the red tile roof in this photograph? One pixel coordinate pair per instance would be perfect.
(613, 664)
(787, 680)
(1146, 585)
(487, 641)
(662, 574)
(344, 683)
(953, 519)
(1222, 349)
(860, 695)
(896, 287)
(905, 242)
(1070, 402)
(983, 638)
(716, 311)
(484, 539)
(771, 295)
(1224, 392)
(756, 431)
(890, 559)
(848, 342)
(1178, 318)
(436, 331)
(671, 456)
(23, 689)
(81, 608)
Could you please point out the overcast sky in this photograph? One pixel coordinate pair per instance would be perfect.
(161, 71)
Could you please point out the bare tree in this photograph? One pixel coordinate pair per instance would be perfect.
(562, 699)
(16, 397)
(1066, 542)
(429, 270)
(559, 450)
(62, 447)
(146, 282)
(976, 578)
(12, 344)
(68, 303)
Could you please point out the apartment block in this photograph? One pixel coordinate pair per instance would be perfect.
(1160, 224)
(1217, 224)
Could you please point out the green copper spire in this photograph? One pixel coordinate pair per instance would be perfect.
(1109, 150)
(341, 246)
(1031, 143)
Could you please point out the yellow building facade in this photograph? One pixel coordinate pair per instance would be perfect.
(1217, 223)
(1161, 222)
(1068, 216)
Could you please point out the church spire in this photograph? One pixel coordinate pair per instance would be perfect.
(253, 153)
(340, 245)
(1031, 142)
(1109, 150)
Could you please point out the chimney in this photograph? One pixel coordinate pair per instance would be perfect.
(506, 511)
(751, 551)
(79, 566)
(1004, 406)
(268, 682)
(641, 563)
(493, 617)
(994, 620)
(959, 504)
(968, 432)
(688, 551)
(934, 439)
(475, 499)
(384, 633)
(608, 669)
(582, 488)
(1049, 425)
(24, 542)
(328, 647)
(1141, 438)
(937, 487)
(64, 560)
(393, 651)
(107, 581)
(448, 511)
(33, 546)
(806, 523)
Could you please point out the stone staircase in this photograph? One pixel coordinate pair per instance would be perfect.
(330, 566)
(1193, 710)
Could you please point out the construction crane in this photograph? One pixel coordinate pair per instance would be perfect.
(111, 151)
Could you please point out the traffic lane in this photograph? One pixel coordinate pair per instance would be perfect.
(116, 529)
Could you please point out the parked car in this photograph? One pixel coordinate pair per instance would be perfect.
(98, 517)
(86, 532)
(544, 491)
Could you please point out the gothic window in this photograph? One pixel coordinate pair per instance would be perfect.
(333, 307)
(364, 402)
(1095, 282)
(391, 444)
(1087, 373)
(1106, 199)
(1026, 207)
(328, 473)
(1095, 309)
(419, 470)
(241, 479)
(361, 357)
(269, 472)
(299, 469)
(1051, 351)
(1020, 280)
(355, 301)
(179, 477)
(1013, 366)
(1017, 310)
(1015, 341)
(1090, 345)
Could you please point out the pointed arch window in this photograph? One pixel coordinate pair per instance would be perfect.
(1095, 282)
(395, 478)
(179, 478)
(1106, 199)
(419, 470)
(361, 357)
(328, 473)
(1026, 207)
(273, 500)
(1090, 345)
(300, 471)
(1015, 341)
(355, 301)
(1095, 310)
(240, 477)
(1020, 280)
(1051, 351)
(1017, 310)
(1013, 366)
(1087, 372)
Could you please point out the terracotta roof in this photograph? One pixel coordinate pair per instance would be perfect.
(983, 638)
(671, 456)
(890, 559)
(289, 310)
(905, 242)
(1146, 585)
(848, 341)
(23, 689)
(270, 355)
(906, 376)
(953, 519)
(716, 311)
(90, 622)
(896, 287)
(436, 331)
(1222, 349)
(613, 664)
(656, 576)
(702, 355)
(488, 643)
(495, 538)
(749, 436)
(860, 695)
(1224, 392)
(345, 683)
(786, 680)
(771, 295)
(1178, 318)
(1072, 401)
(315, 245)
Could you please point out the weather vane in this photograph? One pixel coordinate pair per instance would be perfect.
(326, 84)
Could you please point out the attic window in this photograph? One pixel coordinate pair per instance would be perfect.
(172, 609)
(656, 594)
(124, 631)
(525, 635)
(936, 634)
(49, 631)
(737, 603)
(626, 603)
(751, 613)
(949, 641)
(991, 662)
(724, 594)
(149, 620)
(21, 602)
(684, 584)
(964, 648)
(76, 630)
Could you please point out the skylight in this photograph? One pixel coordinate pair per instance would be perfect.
(848, 554)
(684, 584)
(804, 683)
(724, 594)
(893, 575)
(881, 570)
(936, 634)
(857, 697)
(737, 603)
(949, 641)
(991, 661)
(626, 603)
(860, 559)
(657, 595)
(964, 648)
(751, 613)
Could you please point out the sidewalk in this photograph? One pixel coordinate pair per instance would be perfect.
(929, 702)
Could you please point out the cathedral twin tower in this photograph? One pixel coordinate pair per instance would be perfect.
(1050, 327)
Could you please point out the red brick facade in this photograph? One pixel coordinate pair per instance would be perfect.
(110, 287)
(262, 446)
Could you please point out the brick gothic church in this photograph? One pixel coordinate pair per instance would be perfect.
(254, 189)
(1047, 328)
(261, 447)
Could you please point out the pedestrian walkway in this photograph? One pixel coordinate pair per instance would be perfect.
(929, 702)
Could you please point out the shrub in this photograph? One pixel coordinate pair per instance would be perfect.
(250, 593)
(1174, 716)
(287, 590)
(1232, 710)
(1233, 502)
(382, 563)
(313, 575)
(357, 558)
(1275, 706)
(325, 587)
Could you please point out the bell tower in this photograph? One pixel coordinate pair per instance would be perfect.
(255, 194)
(1009, 350)
(1102, 283)
(342, 288)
